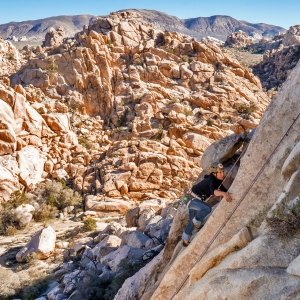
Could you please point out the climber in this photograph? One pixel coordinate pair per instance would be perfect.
(198, 209)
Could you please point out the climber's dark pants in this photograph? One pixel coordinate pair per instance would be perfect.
(198, 210)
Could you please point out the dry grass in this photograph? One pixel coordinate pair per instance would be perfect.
(285, 219)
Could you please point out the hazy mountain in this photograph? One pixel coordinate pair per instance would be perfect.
(216, 26)
(36, 29)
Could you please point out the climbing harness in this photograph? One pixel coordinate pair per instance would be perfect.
(237, 205)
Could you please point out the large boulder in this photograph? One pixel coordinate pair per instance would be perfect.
(31, 165)
(41, 245)
(221, 150)
(23, 214)
(135, 239)
(196, 141)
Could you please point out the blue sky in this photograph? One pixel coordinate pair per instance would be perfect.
(281, 13)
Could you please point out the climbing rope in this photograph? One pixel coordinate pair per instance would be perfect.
(237, 205)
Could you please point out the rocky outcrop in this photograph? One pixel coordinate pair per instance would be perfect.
(54, 37)
(292, 36)
(239, 39)
(123, 82)
(27, 139)
(280, 57)
(10, 58)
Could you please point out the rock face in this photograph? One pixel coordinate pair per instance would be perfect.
(266, 143)
(238, 39)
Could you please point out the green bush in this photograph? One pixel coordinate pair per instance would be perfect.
(93, 288)
(258, 219)
(170, 50)
(17, 198)
(9, 224)
(35, 289)
(247, 109)
(45, 212)
(10, 56)
(185, 58)
(57, 194)
(125, 269)
(52, 66)
(85, 142)
(188, 112)
(158, 135)
(285, 219)
(210, 122)
(89, 224)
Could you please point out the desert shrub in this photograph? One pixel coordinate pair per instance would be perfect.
(85, 142)
(35, 289)
(10, 230)
(109, 43)
(17, 198)
(44, 212)
(185, 58)
(92, 287)
(258, 219)
(137, 98)
(174, 100)
(285, 219)
(210, 122)
(9, 224)
(247, 109)
(52, 66)
(122, 120)
(170, 50)
(139, 61)
(89, 224)
(158, 135)
(73, 105)
(57, 194)
(125, 269)
(188, 112)
(10, 56)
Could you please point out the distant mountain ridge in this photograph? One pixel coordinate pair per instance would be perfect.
(216, 26)
(36, 29)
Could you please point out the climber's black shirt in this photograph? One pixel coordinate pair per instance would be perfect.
(207, 186)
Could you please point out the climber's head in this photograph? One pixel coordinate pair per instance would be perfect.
(217, 169)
